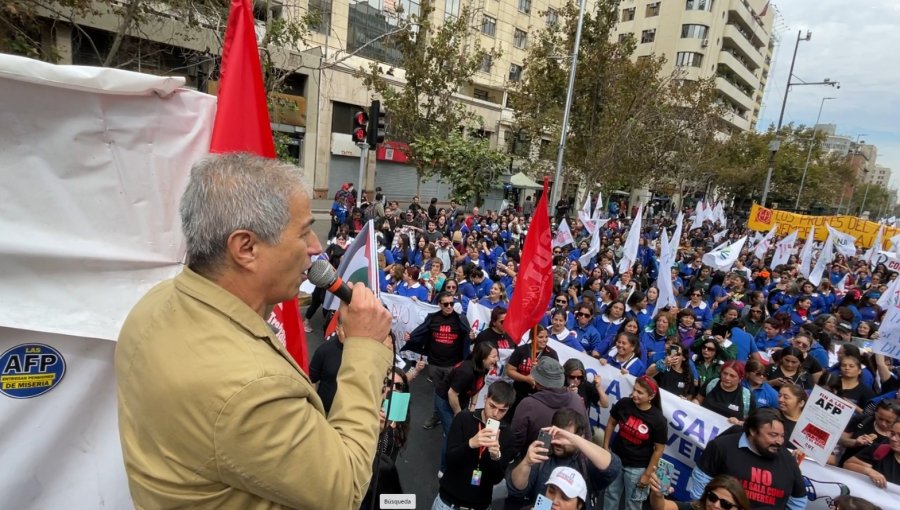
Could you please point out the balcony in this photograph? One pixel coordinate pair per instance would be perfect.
(735, 94)
(738, 68)
(736, 121)
(733, 34)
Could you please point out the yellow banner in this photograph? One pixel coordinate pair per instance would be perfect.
(762, 219)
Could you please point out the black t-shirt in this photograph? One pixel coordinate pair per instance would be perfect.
(638, 432)
(727, 404)
(680, 384)
(465, 381)
(811, 365)
(892, 384)
(861, 426)
(446, 344)
(769, 483)
(801, 378)
(498, 340)
(323, 369)
(521, 359)
(858, 395)
(881, 458)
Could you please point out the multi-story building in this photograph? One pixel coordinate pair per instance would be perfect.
(880, 175)
(729, 40)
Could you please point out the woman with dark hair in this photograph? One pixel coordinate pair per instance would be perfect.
(709, 356)
(687, 328)
(763, 394)
(723, 492)
(403, 251)
(654, 340)
(753, 321)
(850, 305)
(523, 359)
(726, 396)
(673, 373)
(881, 463)
(640, 276)
(869, 310)
(391, 442)
(637, 309)
(639, 443)
(851, 386)
(865, 329)
(607, 325)
(846, 502)
(432, 208)
(771, 337)
(630, 325)
(788, 369)
(592, 393)
(625, 355)
(700, 308)
(791, 400)
(608, 294)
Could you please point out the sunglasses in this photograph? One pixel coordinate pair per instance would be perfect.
(447, 304)
(698, 295)
(708, 348)
(396, 386)
(724, 503)
(582, 314)
(561, 301)
(576, 377)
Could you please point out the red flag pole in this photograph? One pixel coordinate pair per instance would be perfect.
(242, 125)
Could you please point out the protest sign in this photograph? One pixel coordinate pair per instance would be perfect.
(762, 219)
(479, 317)
(408, 313)
(821, 424)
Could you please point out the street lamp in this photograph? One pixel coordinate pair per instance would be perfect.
(557, 181)
(787, 89)
(809, 153)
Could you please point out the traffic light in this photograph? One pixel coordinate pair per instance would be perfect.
(376, 133)
(360, 126)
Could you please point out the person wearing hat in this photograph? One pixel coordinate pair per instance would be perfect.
(566, 489)
(569, 450)
(536, 411)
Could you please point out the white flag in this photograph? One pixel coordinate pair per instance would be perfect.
(845, 244)
(631, 243)
(763, 246)
(825, 257)
(598, 209)
(806, 253)
(891, 296)
(719, 213)
(563, 235)
(784, 249)
(676, 237)
(585, 214)
(872, 253)
(718, 237)
(593, 249)
(666, 295)
(724, 257)
(895, 245)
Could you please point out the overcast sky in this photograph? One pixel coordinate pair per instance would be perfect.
(856, 43)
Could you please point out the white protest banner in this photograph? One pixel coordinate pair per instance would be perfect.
(563, 235)
(888, 342)
(479, 317)
(824, 418)
(408, 313)
(784, 249)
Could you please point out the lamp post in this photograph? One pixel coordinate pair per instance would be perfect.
(854, 151)
(787, 90)
(557, 180)
(809, 153)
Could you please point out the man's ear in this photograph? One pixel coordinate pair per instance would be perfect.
(242, 247)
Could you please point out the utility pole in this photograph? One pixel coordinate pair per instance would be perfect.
(809, 153)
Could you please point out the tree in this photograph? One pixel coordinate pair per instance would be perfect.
(466, 163)
(437, 60)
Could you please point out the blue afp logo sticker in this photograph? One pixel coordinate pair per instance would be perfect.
(30, 370)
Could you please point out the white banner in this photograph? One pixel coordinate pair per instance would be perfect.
(408, 314)
(823, 420)
(94, 162)
(479, 317)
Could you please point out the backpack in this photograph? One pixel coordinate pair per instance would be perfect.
(745, 393)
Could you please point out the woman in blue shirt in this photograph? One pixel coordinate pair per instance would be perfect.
(625, 355)
(411, 287)
(637, 304)
(761, 392)
(607, 325)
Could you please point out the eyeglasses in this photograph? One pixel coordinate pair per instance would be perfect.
(713, 498)
(697, 294)
(447, 304)
(708, 348)
(582, 314)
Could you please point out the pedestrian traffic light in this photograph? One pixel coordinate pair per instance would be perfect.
(376, 133)
(360, 126)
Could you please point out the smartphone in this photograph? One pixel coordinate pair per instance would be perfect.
(542, 503)
(545, 438)
(665, 471)
(493, 424)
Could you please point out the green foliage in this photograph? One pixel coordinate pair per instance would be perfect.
(466, 163)
(437, 60)
(20, 29)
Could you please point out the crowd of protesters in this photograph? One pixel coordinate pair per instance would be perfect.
(748, 343)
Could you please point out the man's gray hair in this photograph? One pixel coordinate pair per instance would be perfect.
(229, 192)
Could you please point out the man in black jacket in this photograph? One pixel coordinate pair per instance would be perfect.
(444, 337)
(477, 455)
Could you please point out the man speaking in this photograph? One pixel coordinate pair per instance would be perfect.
(213, 411)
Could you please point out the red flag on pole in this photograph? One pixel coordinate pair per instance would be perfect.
(534, 283)
(242, 125)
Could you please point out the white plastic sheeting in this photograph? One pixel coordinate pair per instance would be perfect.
(92, 164)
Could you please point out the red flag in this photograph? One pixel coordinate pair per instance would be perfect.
(534, 283)
(242, 125)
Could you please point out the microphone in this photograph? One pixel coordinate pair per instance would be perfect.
(323, 276)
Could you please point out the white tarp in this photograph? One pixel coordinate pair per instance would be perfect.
(93, 163)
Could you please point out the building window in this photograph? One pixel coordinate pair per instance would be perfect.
(552, 17)
(624, 37)
(451, 9)
(489, 26)
(694, 31)
(515, 72)
(486, 63)
(320, 16)
(520, 39)
(628, 14)
(688, 59)
(652, 10)
(698, 5)
(262, 9)
(525, 6)
(481, 94)
(648, 36)
(367, 24)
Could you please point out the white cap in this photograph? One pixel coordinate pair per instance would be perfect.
(569, 481)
